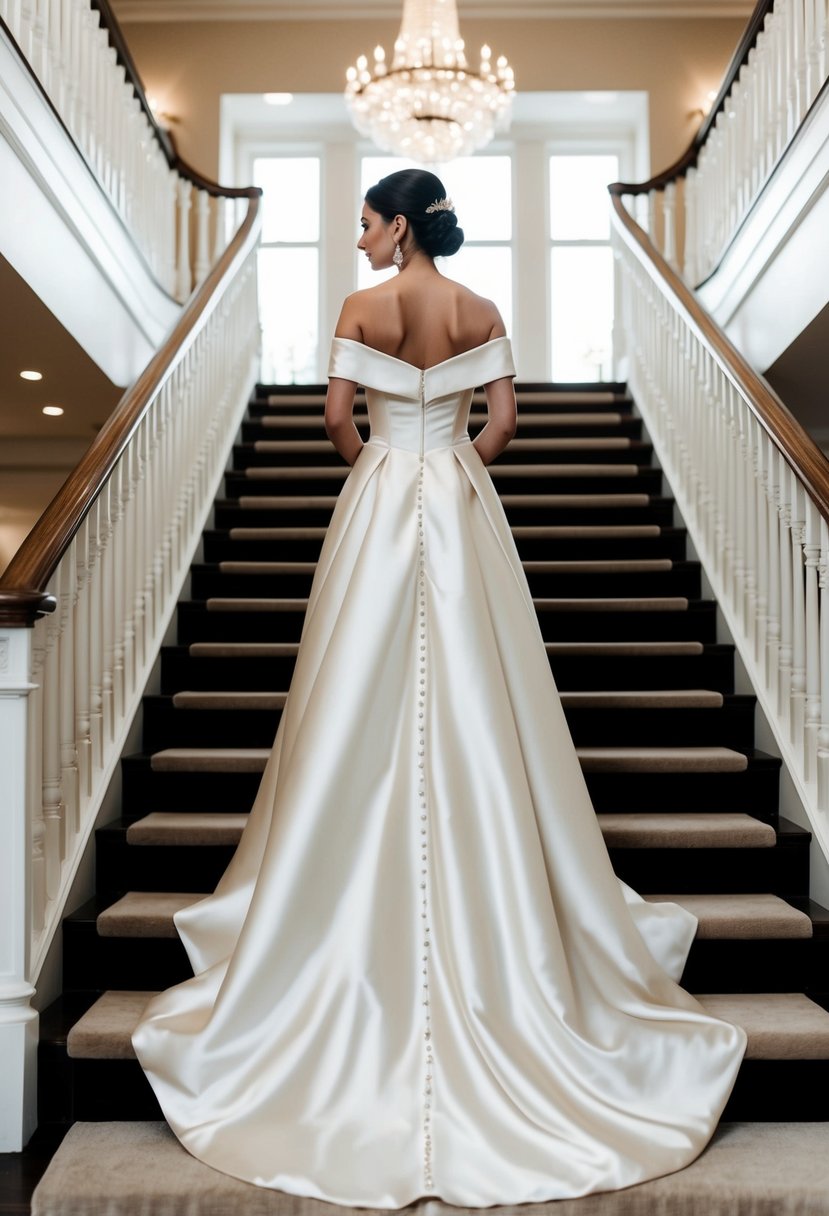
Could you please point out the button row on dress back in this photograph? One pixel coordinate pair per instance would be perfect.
(424, 838)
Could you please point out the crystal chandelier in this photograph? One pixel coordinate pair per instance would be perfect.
(429, 105)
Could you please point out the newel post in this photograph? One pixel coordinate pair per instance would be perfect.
(18, 1020)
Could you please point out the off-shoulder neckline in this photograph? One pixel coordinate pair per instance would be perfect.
(413, 366)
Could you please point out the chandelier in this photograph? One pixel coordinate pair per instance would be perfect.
(429, 105)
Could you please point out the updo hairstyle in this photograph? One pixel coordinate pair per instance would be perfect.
(409, 192)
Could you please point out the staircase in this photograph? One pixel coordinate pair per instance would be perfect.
(687, 804)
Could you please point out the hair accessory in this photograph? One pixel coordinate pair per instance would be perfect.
(441, 204)
(397, 256)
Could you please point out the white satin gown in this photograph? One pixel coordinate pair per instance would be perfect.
(419, 975)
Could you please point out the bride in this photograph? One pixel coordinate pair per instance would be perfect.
(419, 975)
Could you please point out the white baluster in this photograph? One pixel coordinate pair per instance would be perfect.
(811, 555)
(50, 760)
(823, 666)
(184, 280)
(798, 685)
(202, 264)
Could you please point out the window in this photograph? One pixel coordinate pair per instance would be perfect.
(533, 205)
(288, 270)
(581, 266)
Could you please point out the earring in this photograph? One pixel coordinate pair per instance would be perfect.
(397, 256)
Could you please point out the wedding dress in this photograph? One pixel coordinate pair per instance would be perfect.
(419, 975)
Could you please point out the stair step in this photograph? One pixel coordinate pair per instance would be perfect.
(572, 443)
(327, 502)
(587, 566)
(750, 1167)
(633, 648)
(690, 829)
(144, 914)
(579, 663)
(232, 650)
(242, 650)
(662, 760)
(497, 471)
(682, 698)
(593, 760)
(229, 700)
(779, 1025)
(683, 830)
(210, 760)
(742, 916)
(178, 828)
(557, 419)
(692, 852)
(668, 603)
(589, 399)
(149, 914)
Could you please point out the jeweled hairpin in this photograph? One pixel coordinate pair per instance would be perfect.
(440, 204)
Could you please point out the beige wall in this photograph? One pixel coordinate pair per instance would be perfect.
(188, 65)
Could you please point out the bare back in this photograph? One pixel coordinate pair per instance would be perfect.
(420, 318)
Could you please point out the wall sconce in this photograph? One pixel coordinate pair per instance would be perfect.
(704, 109)
(162, 117)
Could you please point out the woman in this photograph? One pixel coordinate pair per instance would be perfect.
(419, 975)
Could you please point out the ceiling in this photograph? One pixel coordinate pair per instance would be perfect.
(33, 338)
(322, 10)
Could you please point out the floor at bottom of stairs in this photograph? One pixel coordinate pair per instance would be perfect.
(21, 1172)
(129, 1169)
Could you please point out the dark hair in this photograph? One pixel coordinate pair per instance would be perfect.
(409, 192)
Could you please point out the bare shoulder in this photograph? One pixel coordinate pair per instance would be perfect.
(358, 310)
(481, 312)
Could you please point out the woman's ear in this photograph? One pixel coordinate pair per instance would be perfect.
(399, 227)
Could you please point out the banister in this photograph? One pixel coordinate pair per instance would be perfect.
(689, 157)
(164, 137)
(785, 432)
(22, 597)
(750, 484)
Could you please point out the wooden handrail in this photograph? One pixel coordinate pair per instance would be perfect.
(22, 586)
(689, 158)
(785, 431)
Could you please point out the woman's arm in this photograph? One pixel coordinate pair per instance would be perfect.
(501, 422)
(339, 422)
(339, 400)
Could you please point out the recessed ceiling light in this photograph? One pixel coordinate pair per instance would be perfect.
(31, 375)
(278, 99)
(54, 411)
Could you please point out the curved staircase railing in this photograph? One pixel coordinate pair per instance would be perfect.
(87, 599)
(77, 53)
(778, 71)
(751, 484)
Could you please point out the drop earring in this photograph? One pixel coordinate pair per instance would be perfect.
(397, 256)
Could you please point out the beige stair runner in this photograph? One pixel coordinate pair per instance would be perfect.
(779, 1025)
(661, 760)
(593, 759)
(214, 650)
(754, 1169)
(680, 698)
(150, 914)
(684, 830)
(668, 603)
(609, 418)
(742, 916)
(340, 472)
(629, 829)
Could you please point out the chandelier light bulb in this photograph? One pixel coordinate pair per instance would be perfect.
(428, 103)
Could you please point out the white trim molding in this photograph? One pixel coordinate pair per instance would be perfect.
(293, 10)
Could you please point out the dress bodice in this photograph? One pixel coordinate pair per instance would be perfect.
(419, 410)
